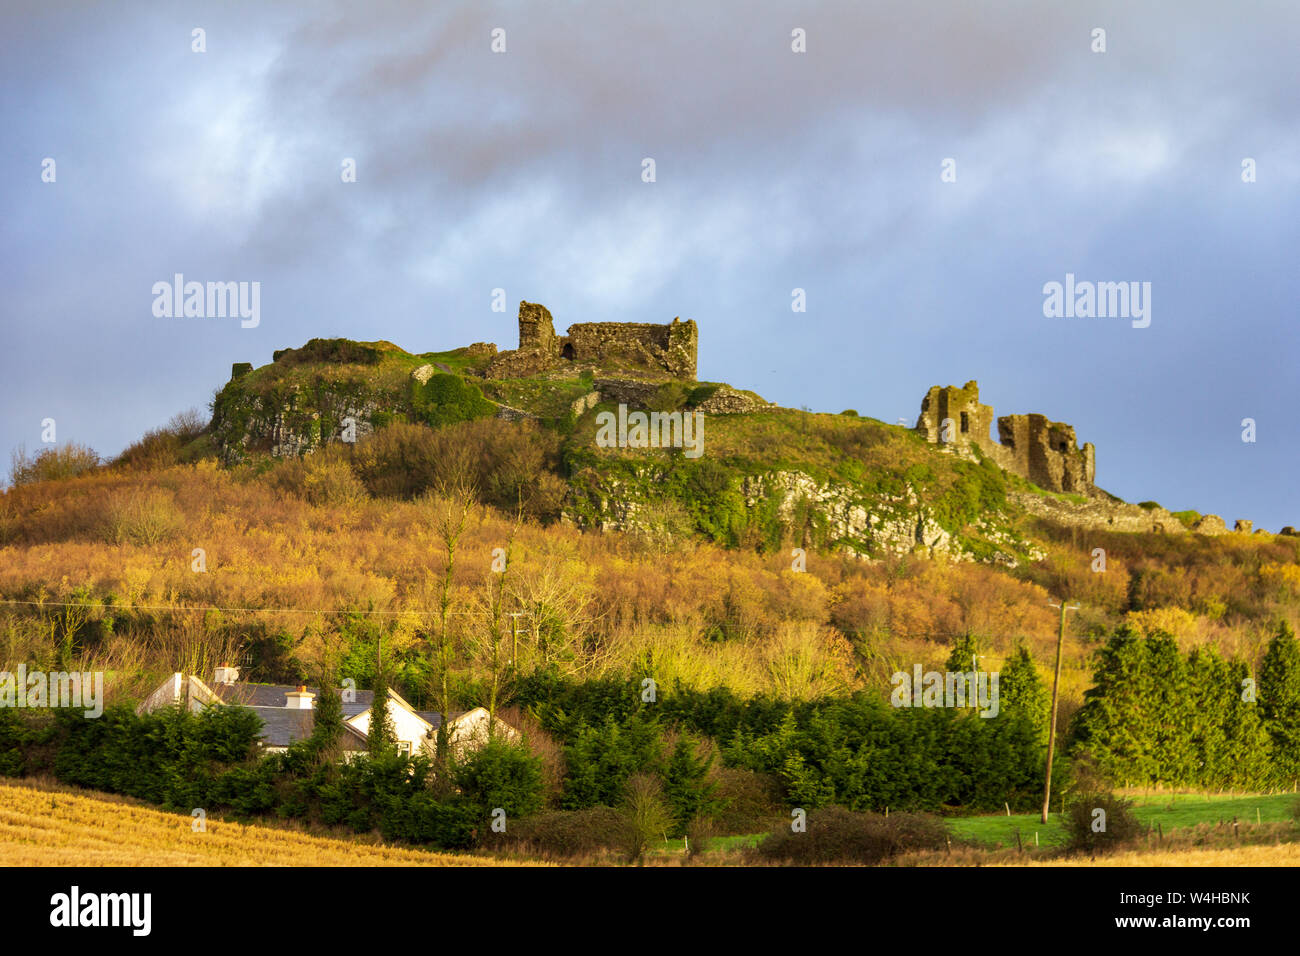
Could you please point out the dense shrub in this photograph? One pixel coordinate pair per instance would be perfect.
(648, 817)
(419, 817)
(600, 759)
(1099, 822)
(334, 351)
(142, 516)
(506, 462)
(399, 460)
(331, 483)
(567, 833)
(51, 464)
(836, 835)
(170, 757)
(163, 447)
(13, 737)
(448, 399)
(325, 477)
(504, 775)
(669, 397)
(747, 802)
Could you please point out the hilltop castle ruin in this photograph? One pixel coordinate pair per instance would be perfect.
(663, 349)
(1043, 451)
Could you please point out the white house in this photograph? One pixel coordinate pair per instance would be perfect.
(288, 713)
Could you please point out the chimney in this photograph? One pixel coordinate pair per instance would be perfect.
(225, 674)
(299, 699)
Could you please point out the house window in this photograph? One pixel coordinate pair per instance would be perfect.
(404, 747)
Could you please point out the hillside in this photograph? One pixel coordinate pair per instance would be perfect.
(760, 476)
(725, 629)
(695, 570)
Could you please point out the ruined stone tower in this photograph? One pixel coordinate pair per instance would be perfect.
(537, 329)
(630, 346)
(1042, 451)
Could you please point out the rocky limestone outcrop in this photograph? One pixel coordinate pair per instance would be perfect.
(1210, 524)
(730, 401)
(897, 525)
(634, 393)
(581, 405)
(862, 527)
(506, 413)
(1098, 513)
(284, 429)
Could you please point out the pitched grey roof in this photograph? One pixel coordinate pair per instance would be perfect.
(435, 718)
(282, 726)
(272, 695)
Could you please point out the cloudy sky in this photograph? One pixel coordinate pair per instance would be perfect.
(774, 170)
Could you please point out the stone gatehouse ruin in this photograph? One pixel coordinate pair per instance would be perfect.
(1042, 451)
(630, 346)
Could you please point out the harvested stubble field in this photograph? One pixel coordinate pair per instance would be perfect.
(1281, 854)
(47, 824)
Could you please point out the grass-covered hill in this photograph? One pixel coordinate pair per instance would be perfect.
(764, 477)
(905, 548)
(476, 538)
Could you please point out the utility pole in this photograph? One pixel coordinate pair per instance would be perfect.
(514, 639)
(1056, 690)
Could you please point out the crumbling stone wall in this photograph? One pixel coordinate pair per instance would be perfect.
(1043, 451)
(970, 421)
(537, 329)
(640, 346)
(635, 345)
(1047, 453)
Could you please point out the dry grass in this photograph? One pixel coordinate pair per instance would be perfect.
(48, 824)
(1280, 854)
(709, 616)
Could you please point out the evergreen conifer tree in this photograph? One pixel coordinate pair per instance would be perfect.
(1166, 714)
(327, 725)
(1110, 727)
(1250, 748)
(380, 737)
(1021, 692)
(1210, 687)
(1279, 701)
(687, 789)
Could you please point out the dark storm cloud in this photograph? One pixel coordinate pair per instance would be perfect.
(775, 171)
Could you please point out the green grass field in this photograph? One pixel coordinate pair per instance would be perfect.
(1167, 811)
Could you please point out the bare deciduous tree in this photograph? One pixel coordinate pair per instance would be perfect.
(451, 507)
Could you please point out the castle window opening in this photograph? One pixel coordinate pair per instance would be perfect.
(965, 423)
